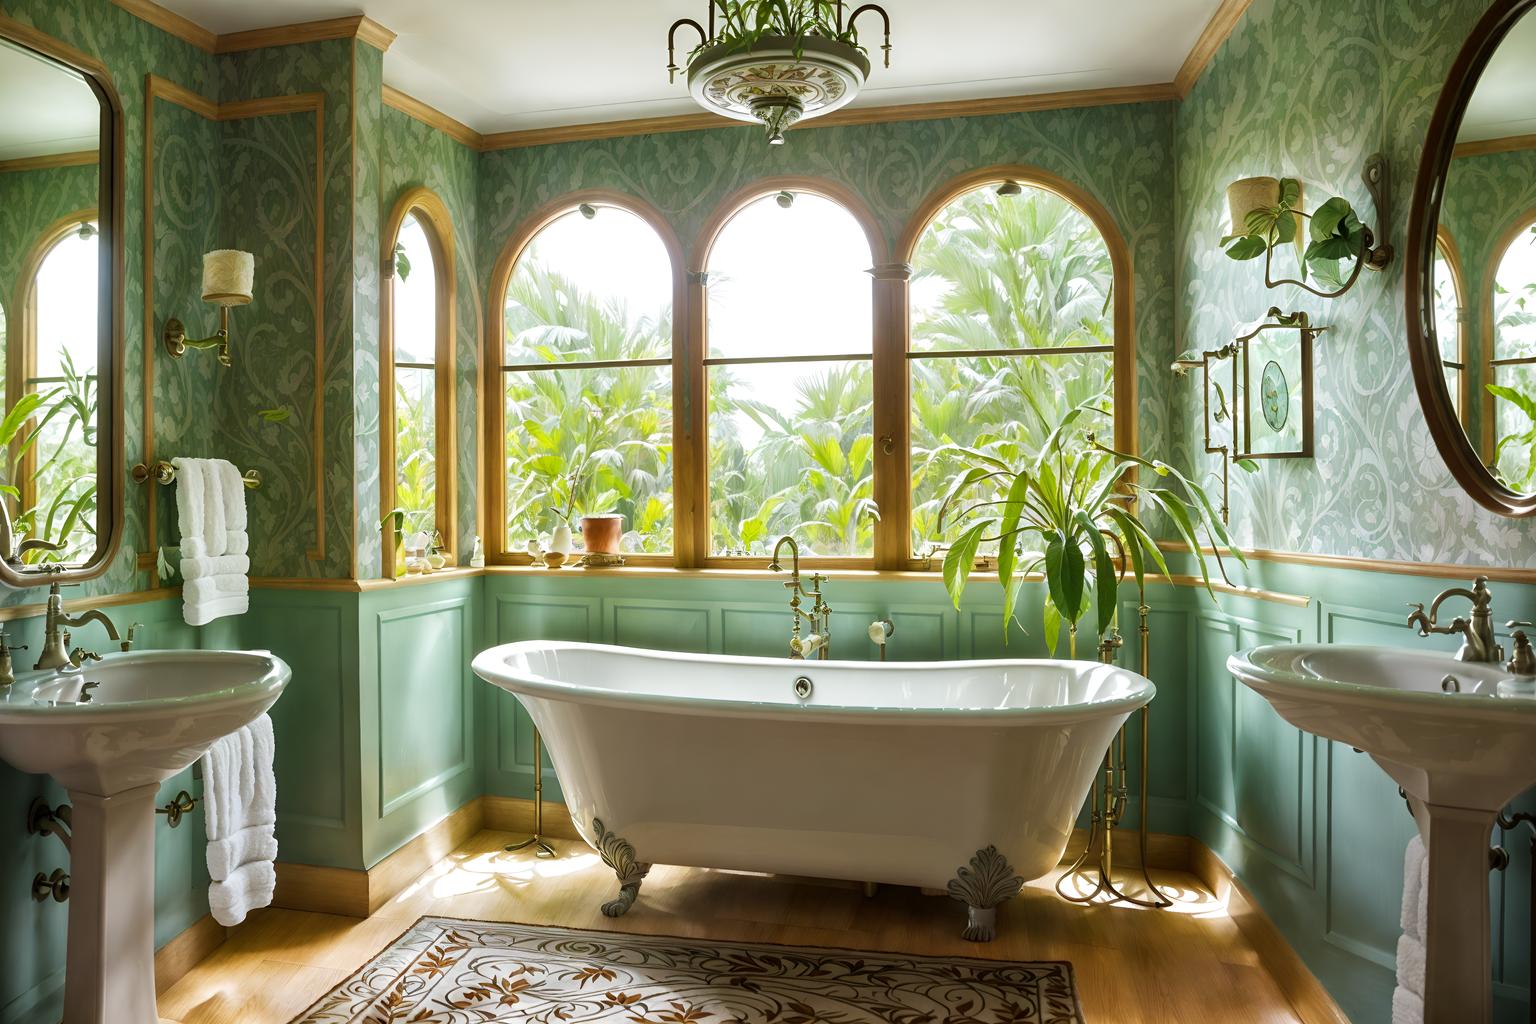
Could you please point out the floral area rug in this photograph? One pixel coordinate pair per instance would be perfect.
(445, 971)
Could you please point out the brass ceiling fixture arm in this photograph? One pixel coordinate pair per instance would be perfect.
(884, 18)
(704, 38)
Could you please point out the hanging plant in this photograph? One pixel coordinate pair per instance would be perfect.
(1334, 231)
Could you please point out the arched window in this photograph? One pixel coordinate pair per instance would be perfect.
(583, 370)
(51, 355)
(789, 346)
(1015, 318)
(417, 469)
(1512, 357)
(1450, 317)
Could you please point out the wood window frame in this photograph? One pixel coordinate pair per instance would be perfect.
(1487, 405)
(1123, 285)
(21, 337)
(1445, 244)
(437, 226)
(891, 319)
(684, 447)
(882, 356)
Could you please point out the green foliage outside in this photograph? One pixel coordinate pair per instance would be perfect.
(56, 425)
(1514, 455)
(999, 272)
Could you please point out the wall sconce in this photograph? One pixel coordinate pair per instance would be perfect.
(1267, 214)
(228, 279)
(1267, 405)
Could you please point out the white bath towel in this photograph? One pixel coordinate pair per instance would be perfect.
(240, 811)
(210, 502)
(1407, 1008)
(1408, 996)
(1410, 964)
(1415, 887)
(250, 887)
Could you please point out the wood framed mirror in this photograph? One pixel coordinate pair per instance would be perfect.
(1471, 268)
(61, 330)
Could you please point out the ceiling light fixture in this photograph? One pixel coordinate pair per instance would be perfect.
(776, 62)
(1010, 189)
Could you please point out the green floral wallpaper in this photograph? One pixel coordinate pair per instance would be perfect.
(1310, 88)
(423, 156)
(367, 275)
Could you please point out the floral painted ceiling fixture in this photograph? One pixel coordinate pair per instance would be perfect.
(776, 62)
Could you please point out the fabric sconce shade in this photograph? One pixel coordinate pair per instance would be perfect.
(229, 277)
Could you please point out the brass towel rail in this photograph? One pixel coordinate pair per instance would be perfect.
(164, 473)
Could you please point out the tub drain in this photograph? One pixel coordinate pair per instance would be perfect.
(803, 687)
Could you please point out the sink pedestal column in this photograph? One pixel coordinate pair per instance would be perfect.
(1458, 985)
(110, 966)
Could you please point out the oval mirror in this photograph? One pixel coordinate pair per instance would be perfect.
(1471, 278)
(60, 329)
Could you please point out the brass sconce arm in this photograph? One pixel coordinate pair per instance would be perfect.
(177, 342)
(1374, 253)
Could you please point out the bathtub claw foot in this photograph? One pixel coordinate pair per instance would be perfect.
(619, 906)
(982, 885)
(980, 924)
(619, 855)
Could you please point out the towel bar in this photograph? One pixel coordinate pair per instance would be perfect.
(181, 804)
(164, 473)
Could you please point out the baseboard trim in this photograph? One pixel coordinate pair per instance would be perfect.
(1165, 852)
(513, 814)
(354, 892)
(1308, 997)
(174, 959)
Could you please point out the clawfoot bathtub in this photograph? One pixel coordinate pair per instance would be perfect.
(965, 776)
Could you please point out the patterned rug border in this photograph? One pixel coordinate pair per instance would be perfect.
(1065, 965)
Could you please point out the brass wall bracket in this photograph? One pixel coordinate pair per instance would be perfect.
(1375, 253)
(54, 886)
(182, 804)
(43, 820)
(177, 342)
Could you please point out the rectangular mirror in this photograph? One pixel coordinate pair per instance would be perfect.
(60, 311)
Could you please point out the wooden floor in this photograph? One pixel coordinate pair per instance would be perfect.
(1187, 965)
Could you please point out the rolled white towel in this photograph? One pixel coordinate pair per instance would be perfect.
(1410, 964)
(248, 887)
(225, 856)
(196, 568)
(1415, 886)
(1407, 1008)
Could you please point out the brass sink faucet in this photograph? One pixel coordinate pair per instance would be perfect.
(1479, 643)
(820, 616)
(56, 653)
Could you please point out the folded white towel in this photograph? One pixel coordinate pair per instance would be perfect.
(240, 812)
(1407, 1008)
(210, 500)
(249, 888)
(1415, 887)
(1410, 964)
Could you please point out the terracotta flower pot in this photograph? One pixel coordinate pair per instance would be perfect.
(601, 534)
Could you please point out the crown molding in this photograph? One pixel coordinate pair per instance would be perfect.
(1488, 147)
(83, 158)
(357, 26)
(1216, 31)
(434, 118)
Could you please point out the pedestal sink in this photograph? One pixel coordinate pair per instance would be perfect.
(1460, 752)
(110, 733)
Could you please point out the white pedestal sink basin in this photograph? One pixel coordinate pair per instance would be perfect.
(110, 733)
(1461, 756)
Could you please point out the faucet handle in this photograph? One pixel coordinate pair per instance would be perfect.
(1524, 661)
(127, 641)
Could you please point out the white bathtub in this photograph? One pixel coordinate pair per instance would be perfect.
(966, 774)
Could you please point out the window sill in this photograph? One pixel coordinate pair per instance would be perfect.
(666, 572)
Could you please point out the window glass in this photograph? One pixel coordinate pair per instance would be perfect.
(587, 382)
(1000, 285)
(1514, 362)
(414, 320)
(790, 378)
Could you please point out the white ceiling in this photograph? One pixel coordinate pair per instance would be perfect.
(1504, 102)
(48, 109)
(507, 65)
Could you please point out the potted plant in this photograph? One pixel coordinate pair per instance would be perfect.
(1073, 514)
(601, 533)
(1267, 214)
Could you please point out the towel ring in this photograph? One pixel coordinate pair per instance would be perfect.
(164, 474)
